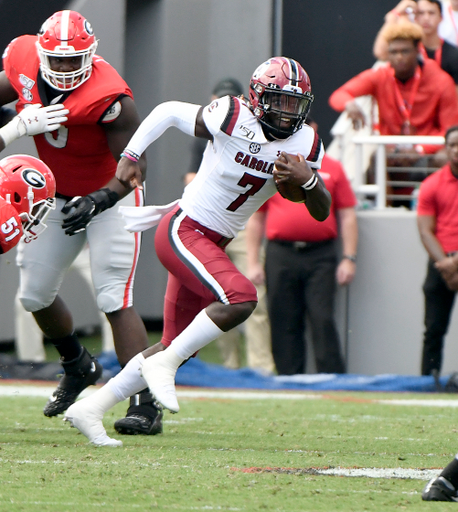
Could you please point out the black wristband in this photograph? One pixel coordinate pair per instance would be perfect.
(104, 199)
(351, 257)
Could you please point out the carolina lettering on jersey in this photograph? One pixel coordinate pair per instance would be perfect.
(10, 226)
(77, 153)
(253, 163)
(236, 174)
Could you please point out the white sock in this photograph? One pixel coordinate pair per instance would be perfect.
(103, 400)
(129, 380)
(199, 333)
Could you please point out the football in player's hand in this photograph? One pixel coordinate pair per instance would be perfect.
(293, 193)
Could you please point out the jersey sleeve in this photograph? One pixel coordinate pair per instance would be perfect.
(10, 227)
(316, 154)
(221, 114)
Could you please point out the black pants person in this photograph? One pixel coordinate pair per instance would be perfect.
(301, 284)
(438, 307)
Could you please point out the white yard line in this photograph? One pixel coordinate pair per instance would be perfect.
(11, 388)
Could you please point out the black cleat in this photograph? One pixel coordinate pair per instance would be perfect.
(439, 489)
(78, 375)
(144, 416)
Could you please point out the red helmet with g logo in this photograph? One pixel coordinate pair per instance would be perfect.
(29, 185)
(281, 96)
(66, 34)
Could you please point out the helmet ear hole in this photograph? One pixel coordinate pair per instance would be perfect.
(17, 197)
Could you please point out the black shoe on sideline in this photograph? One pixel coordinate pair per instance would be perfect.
(78, 375)
(144, 416)
(439, 489)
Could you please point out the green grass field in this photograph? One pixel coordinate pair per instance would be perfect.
(234, 451)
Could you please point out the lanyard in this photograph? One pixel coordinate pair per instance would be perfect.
(405, 107)
(450, 11)
(437, 53)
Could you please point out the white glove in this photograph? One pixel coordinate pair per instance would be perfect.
(38, 119)
(140, 218)
(33, 120)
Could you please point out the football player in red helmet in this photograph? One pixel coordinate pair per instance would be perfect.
(61, 86)
(66, 45)
(248, 145)
(280, 96)
(27, 189)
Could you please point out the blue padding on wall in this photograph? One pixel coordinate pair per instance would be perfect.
(200, 374)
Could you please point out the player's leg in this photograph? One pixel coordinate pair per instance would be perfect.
(28, 336)
(114, 254)
(444, 487)
(43, 264)
(82, 265)
(192, 255)
(87, 414)
(229, 342)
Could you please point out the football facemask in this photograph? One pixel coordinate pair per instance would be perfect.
(66, 45)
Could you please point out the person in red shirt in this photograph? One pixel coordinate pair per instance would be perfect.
(427, 14)
(437, 218)
(414, 96)
(438, 225)
(301, 271)
(81, 114)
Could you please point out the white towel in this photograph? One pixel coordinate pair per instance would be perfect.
(141, 218)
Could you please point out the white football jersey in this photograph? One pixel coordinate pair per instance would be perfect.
(235, 176)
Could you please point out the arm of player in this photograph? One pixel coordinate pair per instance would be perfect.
(81, 210)
(33, 120)
(298, 172)
(171, 113)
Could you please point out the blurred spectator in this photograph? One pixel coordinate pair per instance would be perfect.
(428, 15)
(448, 29)
(256, 328)
(437, 218)
(302, 268)
(414, 96)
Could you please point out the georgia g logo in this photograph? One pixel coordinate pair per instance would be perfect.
(88, 28)
(34, 178)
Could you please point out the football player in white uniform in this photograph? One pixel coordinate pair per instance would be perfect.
(251, 144)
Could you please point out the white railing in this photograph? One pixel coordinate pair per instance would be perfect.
(378, 189)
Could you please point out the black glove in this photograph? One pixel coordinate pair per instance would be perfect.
(85, 208)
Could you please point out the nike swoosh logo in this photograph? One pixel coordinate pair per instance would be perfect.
(93, 367)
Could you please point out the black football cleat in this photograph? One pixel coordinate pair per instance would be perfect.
(78, 375)
(144, 416)
(439, 489)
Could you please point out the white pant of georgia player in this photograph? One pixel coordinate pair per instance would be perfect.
(114, 253)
